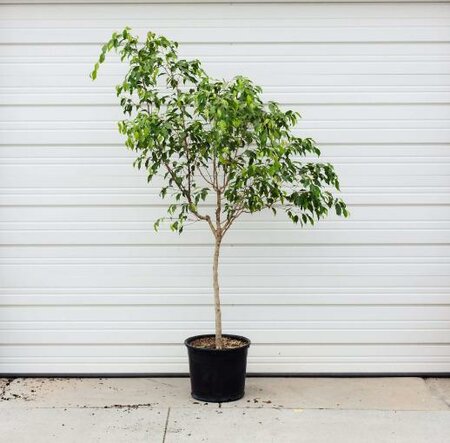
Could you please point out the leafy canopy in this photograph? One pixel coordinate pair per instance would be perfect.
(215, 139)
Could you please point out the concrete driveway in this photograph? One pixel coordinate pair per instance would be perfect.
(284, 410)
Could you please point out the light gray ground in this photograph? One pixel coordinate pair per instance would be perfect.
(285, 410)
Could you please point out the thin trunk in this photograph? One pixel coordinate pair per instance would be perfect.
(218, 312)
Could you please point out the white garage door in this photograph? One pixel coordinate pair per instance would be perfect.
(88, 287)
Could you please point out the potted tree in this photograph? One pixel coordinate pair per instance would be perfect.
(220, 152)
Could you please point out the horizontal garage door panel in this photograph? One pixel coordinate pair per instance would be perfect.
(88, 287)
(310, 113)
(147, 358)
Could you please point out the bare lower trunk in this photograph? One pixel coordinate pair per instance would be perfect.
(218, 312)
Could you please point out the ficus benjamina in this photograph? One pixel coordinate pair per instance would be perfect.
(219, 150)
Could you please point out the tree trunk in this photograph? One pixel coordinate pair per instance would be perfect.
(218, 312)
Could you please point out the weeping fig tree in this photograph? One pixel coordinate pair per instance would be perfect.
(215, 141)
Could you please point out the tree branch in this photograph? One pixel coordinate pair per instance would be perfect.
(204, 178)
(188, 197)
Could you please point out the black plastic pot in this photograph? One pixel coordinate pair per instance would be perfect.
(217, 375)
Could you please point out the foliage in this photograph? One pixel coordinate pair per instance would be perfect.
(215, 140)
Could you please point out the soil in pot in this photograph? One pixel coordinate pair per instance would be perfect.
(210, 343)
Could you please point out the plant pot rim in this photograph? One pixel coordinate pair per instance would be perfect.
(188, 341)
